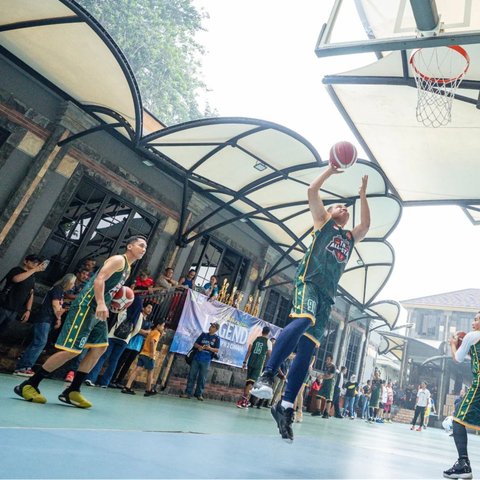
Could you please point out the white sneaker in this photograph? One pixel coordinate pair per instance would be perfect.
(263, 387)
(89, 383)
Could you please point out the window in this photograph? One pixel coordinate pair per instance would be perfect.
(216, 258)
(277, 309)
(428, 324)
(96, 223)
(327, 344)
(353, 352)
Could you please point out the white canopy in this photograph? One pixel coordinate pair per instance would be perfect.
(61, 43)
(261, 171)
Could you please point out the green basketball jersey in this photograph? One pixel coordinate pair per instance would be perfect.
(87, 295)
(325, 259)
(474, 352)
(258, 353)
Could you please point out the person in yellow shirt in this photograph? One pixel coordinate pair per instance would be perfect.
(146, 360)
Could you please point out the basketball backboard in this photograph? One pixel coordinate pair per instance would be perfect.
(358, 26)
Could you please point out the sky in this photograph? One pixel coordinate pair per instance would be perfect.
(260, 63)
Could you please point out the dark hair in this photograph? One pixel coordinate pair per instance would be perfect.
(135, 238)
(33, 257)
(169, 268)
(158, 322)
(329, 356)
(265, 330)
(81, 269)
(146, 304)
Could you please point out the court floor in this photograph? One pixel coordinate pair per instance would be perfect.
(125, 436)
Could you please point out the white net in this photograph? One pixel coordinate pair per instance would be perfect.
(438, 73)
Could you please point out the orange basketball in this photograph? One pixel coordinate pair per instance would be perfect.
(459, 337)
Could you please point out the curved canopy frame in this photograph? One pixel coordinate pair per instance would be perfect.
(62, 45)
(258, 172)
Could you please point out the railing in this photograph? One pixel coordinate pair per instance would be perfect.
(167, 306)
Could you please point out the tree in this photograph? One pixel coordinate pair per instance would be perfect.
(158, 39)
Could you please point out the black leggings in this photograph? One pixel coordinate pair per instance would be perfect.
(419, 411)
(124, 362)
(460, 437)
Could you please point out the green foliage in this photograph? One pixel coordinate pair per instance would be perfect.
(158, 39)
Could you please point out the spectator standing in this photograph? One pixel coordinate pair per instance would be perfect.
(387, 407)
(146, 361)
(428, 411)
(211, 289)
(187, 281)
(49, 316)
(339, 381)
(366, 401)
(376, 386)
(326, 391)
(132, 351)
(166, 279)
(207, 346)
(143, 283)
(423, 396)
(17, 294)
(254, 360)
(351, 388)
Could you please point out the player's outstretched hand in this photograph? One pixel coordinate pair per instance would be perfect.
(333, 169)
(363, 186)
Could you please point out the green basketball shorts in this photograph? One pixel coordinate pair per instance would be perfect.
(310, 302)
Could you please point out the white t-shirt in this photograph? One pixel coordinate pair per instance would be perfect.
(384, 394)
(423, 396)
(471, 338)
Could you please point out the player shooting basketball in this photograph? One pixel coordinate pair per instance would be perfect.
(314, 292)
(467, 413)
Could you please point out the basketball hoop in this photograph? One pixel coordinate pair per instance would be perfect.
(436, 74)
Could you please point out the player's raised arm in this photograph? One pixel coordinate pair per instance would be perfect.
(361, 230)
(112, 265)
(317, 208)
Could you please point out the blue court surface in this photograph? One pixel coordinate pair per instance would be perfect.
(125, 436)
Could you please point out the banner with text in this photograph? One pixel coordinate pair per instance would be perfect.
(237, 329)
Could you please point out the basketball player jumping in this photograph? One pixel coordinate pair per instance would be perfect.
(314, 292)
(468, 412)
(86, 327)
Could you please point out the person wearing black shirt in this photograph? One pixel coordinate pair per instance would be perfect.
(17, 295)
(351, 388)
(337, 391)
(44, 321)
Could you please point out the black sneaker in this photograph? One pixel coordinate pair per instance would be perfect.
(149, 393)
(461, 469)
(128, 391)
(263, 387)
(284, 418)
(325, 415)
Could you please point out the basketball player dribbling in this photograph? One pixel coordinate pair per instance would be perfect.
(86, 327)
(314, 292)
(467, 413)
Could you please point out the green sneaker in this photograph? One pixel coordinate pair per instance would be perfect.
(74, 398)
(29, 393)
